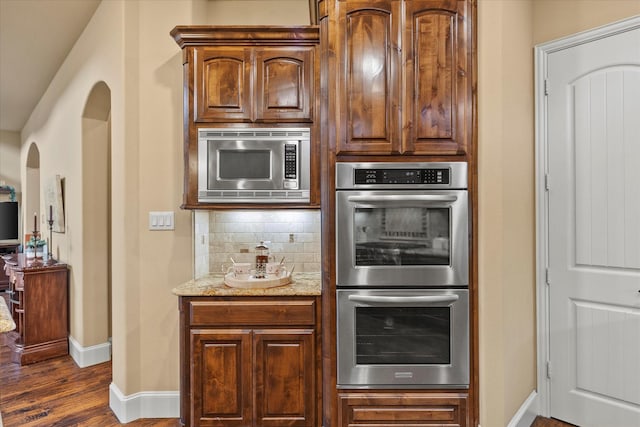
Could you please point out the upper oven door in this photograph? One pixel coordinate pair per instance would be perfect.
(402, 238)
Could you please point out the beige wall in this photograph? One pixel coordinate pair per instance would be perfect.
(10, 159)
(506, 209)
(128, 47)
(559, 18)
(257, 12)
(507, 33)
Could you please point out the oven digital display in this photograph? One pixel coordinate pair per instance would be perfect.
(401, 176)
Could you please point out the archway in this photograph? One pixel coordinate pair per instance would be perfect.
(32, 193)
(94, 334)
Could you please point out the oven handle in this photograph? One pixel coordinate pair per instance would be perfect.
(426, 300)
(404, 198)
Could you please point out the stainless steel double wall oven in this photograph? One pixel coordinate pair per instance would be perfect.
(402, 275)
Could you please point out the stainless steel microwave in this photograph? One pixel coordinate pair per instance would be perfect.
(253, 165)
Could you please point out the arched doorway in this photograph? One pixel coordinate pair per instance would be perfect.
(94, 330)
(32, 193)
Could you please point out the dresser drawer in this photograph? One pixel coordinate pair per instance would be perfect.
(252, 312)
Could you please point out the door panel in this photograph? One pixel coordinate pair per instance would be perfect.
(222, 84)
(221, 377)
(604, 353)
(594, 232)
(437, 110)
(368, 85)
(606, 160)
(284, 375)
(284, 79)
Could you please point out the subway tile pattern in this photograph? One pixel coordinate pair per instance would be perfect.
(292, 234)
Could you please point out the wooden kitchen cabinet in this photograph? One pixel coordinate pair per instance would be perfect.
(249, 77)
(283, 76)
(222, 84)
(402, 76)
(403, 408)
(249, 361)
(39, 301)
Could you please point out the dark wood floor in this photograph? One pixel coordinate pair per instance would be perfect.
(58, 393)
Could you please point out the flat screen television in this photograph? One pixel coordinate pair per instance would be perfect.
(9, 232)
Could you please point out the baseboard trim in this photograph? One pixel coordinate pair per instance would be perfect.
(156, 404)
(527, 413)
(89, 356)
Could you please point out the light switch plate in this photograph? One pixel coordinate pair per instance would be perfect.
(161, 220)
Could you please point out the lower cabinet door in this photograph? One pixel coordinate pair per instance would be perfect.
(221, 378)
(284, 377)
(389, 409)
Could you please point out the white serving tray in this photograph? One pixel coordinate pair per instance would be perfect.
(271, 281)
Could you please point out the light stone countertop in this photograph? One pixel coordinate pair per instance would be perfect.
(6, 321)
(302, 284)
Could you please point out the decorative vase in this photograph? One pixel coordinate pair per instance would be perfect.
(30, 252)
(39, 251)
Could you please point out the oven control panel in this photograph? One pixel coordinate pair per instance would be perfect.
(402, 176)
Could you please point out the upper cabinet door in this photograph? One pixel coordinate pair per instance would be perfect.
(403, 77)
(368, 81)
(437, 102)
(222, 84)
(284, 84)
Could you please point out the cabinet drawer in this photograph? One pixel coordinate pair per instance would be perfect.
(419, 409)
(272, 313)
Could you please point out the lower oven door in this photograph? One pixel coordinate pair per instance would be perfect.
(403, 338)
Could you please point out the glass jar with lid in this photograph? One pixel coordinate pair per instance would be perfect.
(262, 259)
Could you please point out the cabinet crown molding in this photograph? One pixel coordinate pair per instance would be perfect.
(200, 35)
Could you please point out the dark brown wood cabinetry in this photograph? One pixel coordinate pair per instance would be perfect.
(39, 301)
(406, 408)
(239, 77)
(250, 361)
(283, 79)
(402, 76)
(398, 81)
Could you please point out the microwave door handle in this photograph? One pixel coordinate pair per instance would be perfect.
(425, 198)
(423, 300)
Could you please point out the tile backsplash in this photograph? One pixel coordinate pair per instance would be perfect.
(222, 235)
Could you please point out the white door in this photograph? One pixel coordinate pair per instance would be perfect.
(593, 146)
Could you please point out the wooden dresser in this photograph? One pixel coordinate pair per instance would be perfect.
(39, 304)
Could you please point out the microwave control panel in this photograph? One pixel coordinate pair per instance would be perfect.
(290, 162)
(401, 176)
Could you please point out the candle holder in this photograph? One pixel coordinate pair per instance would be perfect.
(50, 259)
